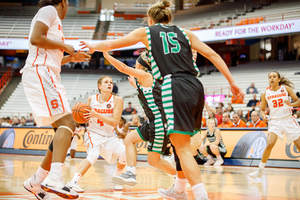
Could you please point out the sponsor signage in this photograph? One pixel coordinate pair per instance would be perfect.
(208, 35)
(214, 98)
(240, 143)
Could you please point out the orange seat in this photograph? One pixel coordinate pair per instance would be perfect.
(88, 27)
(111, 34)
(120, 34)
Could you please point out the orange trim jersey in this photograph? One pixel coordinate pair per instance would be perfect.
(49, 57)
(226, 125)
(106, 110)
(240, 124)
(275, 99)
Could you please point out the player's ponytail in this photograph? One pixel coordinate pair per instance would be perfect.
(43, 3)
(284, 80)
(160, 12)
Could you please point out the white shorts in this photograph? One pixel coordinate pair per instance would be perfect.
(74, 142)
(287, 125)
(108, 146)
(45, 94)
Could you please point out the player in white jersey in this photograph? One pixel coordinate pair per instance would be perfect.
(72, 149)
(122, 130)
(281, 119)
(47, 96)
(104, 116)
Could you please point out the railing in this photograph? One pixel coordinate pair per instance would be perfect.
(5, 79)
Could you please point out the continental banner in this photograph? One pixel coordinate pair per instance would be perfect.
(240, 143)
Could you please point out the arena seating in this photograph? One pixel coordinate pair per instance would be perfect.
(15, 22)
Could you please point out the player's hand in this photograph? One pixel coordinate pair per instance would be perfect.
(92, 113)
(80, 56)
(266, 118)
(287, 102)
(84, 45)
(209, 109)
(237, 90)
(132, 81)
(69, 49)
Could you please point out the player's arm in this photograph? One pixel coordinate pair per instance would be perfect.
(117, 132)
(263, 105)
(294, 97)
(218, 136)
(138, 35)
(89, 101)
(138, 73)
(79, 56)
(125, 130)
(215, 58)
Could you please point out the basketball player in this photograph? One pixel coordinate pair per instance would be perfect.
(183, 97)
(72, 149)
(104, 116)
(47, 96)
(281, 119)
(122, 130)
(152, 130)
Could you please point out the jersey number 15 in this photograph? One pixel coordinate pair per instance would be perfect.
(170, 38)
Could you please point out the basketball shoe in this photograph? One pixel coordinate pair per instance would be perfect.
(172, 194)
(117, 187)
(209, 162)
(127, 178)
(219, 162)
(58, 187)
(35, 188)
(75, 186)
(257, 174)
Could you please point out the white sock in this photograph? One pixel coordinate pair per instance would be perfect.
(131, 169)
(209, 157)
(262, 165)
(56, 170)
(199, 191)
(180, 185)
(219, 157)
(76, 178)
(40, 175)
(118, 171)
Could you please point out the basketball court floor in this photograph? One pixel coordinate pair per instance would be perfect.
(222, 183)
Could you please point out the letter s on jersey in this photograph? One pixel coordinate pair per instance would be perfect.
(54, 104)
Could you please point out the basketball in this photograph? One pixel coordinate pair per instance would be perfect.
(77, 112)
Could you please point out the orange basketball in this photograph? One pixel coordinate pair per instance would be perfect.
(77, 112)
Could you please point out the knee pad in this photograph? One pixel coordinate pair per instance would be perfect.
(122, 158)
(120, 152)
(93, 154)
(66, 127)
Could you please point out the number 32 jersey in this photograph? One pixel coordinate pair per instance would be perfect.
(275, 99)
(106, 110)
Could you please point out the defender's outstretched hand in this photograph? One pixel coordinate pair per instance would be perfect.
(84, 45)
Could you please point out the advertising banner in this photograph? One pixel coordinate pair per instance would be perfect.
(240, 143)
(207, 35)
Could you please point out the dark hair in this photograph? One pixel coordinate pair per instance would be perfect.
(159, 12)
(123, 119)
(43, 3)
(283, 80)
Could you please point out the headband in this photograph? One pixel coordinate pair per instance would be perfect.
(143, 63)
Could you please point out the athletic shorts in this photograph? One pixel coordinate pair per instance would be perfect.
(156, 142)
(110, 147)
(222, 153)
(45, 94)
(287, 125)
(183, 102)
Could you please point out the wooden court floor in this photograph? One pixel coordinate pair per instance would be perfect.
(222, 183)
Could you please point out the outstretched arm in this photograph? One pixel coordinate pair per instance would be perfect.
(294, 97)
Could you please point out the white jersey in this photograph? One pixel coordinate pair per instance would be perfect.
(275, 99)
(79, 129)
(48, 57)
(105, 109)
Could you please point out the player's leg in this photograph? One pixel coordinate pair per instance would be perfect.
(297, 143)
(272, 138)
(215, 150)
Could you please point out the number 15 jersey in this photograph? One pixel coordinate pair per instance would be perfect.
(275, 99)
(105, 109)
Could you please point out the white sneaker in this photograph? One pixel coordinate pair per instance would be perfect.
(35, 188)
(219, 162)
(75, 187)
(209, 162)
(117, 187)
(172, 194)
(257, 174)
(58, 187)
(127, 178)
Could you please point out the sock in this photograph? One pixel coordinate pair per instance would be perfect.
(180, 184)
(56, 170)
(209, 157)
(40, 175)
(199, 191)
(131, 169)
(118, 171)
(76, 178)
(262, 165)
(219, 157)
